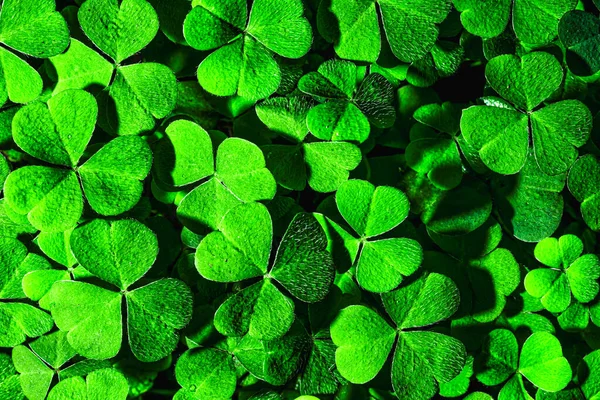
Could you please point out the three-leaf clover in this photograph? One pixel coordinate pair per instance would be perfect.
(52, 196)
(244, 44)
(119, 253)
(541, 361)
(237, 174)
(138, 93)
(347, 113)
(534, 22)
(568, 273)
(240, 250)
(372, 211)
(353, 27)
(325, 165)
(365, 340)
(501, 133)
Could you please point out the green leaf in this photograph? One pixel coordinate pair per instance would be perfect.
(19, 321)
(543, 364)
(24, 23)
(57, 246)
(114, 28)
(51, 198)
(578, 32)
(206, 373)
(260, 310)
(286, 116)
(437, 157)
(101, 384)
(10, 388)
(184, 155)
(587, 374)
(35, 376)
(369, 210)
(499, 358)
(210, 25)
(20, 82)
(338, 120)
(111, 178)
(14, 264)
(328, 164)
(334, 79)
(240, 249)
(138, 94)
(52, 132)
(364, 341)
(119, 252)
(81, 68)
(584, 185)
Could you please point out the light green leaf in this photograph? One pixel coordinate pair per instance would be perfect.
(101, 384)
(19, 321)
(210, 25)
(35, 376)
(20, 83)
(338, 120)
(543, 364)
(499, 358)
(328, 164)
(206, 373)
(286, 116)
(14, 264)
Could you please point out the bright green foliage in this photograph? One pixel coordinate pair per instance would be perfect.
(372, 211)
(569, 273)
(10, 388)
(242, 61)
(556, 130)
(100, 384)
(584, 185)
(302, 266)
(354, 29)
(206, 373)
(365, 339)
(540, 361)
(535, 22)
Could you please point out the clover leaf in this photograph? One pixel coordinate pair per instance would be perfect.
(229, 184)
(353, 27)
(535, 22)
(569, 273)
(244, 44)
(302, 266)
(10, 389)
(578, 32)
(501, 135)
(348, 112)
(101, 384)
(372, 211)
(365, 340)
(206, 373)
(110, 179)
(38, 363)
(119, 253)
(583, 184)
(541, 361)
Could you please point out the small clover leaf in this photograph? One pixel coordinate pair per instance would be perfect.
(353, 27)
(206, 373)
(569, 273)
(583, 182)
(18, 321)
(244, 43)
(372, 211)
(535, 22)
(541, 361)
(154, 311)
(302, 265)
(101, 384)
(501, 135)
(365, 340)
(16, 262)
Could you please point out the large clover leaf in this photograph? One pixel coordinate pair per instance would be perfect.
(501, 134)
(244, 43)
(372, 211)
(541, 361)
(365, 340)
(302, 265)
(535, 22)
(52, 197)
(119, 253)
(348, 113)
(353, 27)
(568, 273)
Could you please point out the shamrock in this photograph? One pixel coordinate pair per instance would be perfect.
(583, 182)
(365, 340)
(119, 253)
(541, 361)
(578, 32)
(348, 112)
(38, 363)
(325, 165)
(535, 22)
(501, 133)
(34, 28)
(372, 211)
(432, 153)
(52, 197)
(244, 44)
(134, 95)
(237, 173)
(569, 273)
(205, 373)
(353, 27)
(18, 321)
(105, 383)
(302, 266)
